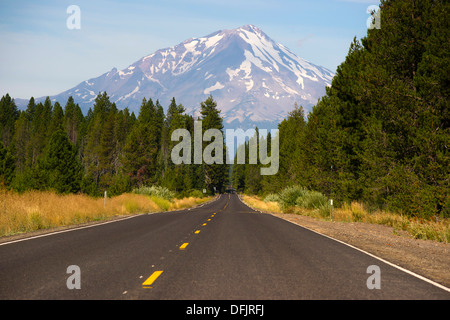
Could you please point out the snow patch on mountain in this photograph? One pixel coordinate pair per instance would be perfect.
(217, 86)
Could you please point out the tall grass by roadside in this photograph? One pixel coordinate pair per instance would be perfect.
(34, 210)
(156, 191)
(314, 204)
(437, 229)
(265, 206)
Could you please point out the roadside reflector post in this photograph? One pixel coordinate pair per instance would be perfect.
(331, 212)
(105, 198)
(331, 195)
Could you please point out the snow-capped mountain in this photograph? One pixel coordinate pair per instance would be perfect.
(253, 79)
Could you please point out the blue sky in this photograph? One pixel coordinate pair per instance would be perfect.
(40, 56)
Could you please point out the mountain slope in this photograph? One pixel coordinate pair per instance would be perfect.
(253, 78)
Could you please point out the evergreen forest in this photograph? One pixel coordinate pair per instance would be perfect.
(48, 147)
(380, 134)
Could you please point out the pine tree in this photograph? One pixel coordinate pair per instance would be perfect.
(73, 121)
(8, 116)
(292, 148)
(58, 168)
(120, 181)
(107, 156)
(175, 176)
(238, 170)
(31, 109)
(7, 166)
(96, 153)
(39, 131)
(216, 174)
(142, 147)
(252, 171)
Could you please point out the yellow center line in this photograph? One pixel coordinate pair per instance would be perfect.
(184, 245)
(147, 283)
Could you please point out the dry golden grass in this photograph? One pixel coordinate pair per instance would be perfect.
(419, 228)
(355, 212)
(36, 210)
(255, 202)
(189, 202)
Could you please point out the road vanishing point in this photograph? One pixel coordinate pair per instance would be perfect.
(221, 250)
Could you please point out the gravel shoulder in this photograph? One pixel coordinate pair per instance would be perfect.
(430, 259)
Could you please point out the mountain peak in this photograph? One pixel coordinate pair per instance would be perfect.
(248, 28)
(253, 78)
(251, 28)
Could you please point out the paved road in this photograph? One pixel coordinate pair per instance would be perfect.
(223, 250)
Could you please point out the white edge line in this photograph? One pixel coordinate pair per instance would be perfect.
(376, 257)
(368, 253)
(69, 230)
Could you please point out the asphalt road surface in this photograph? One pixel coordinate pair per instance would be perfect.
(222, 250)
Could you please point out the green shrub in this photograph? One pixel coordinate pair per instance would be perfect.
(157, 191)
(311, 200)
(196, 194)
(289, 196)
(325, 210)
(273, 197)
